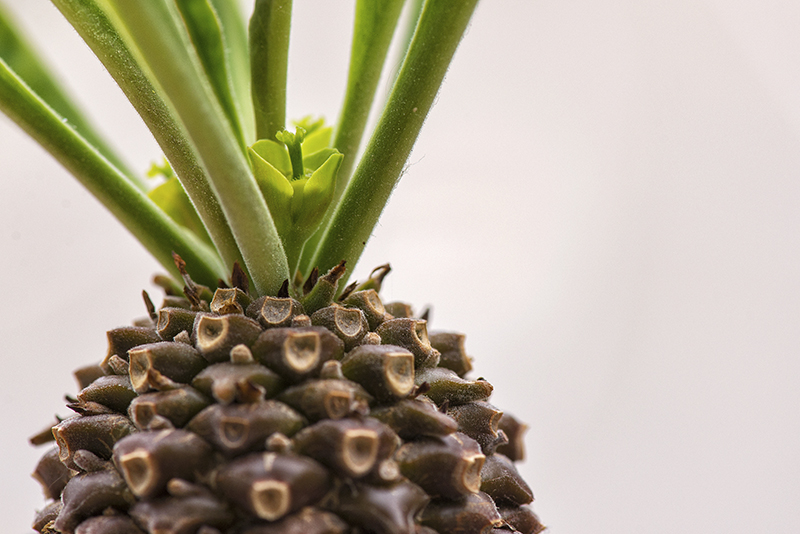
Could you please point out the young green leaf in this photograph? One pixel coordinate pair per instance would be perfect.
(275, 153)
(310, 124)
(297, 200)
(275, 187)
(317, 138)
(318, 191)
(315, 160)
(171, 198)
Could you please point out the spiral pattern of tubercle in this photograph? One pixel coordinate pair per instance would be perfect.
(250, 417)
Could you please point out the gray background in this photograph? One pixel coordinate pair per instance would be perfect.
(605, 199)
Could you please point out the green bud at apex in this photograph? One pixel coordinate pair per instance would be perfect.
(294, 143)
(298, 190)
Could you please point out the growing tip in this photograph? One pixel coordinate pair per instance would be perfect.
(293, 142)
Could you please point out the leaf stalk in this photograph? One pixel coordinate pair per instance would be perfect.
(270, 27)
(442, 24)
(151, 226)
(155, 28)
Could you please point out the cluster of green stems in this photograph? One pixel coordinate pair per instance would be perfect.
(207, 85)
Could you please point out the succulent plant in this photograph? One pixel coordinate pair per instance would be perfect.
(265, 394)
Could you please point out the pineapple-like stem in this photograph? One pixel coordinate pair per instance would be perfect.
(270, 26)
(440, 28)
(156, 29)
(154, 229)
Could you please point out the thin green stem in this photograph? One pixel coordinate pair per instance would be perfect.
(414, 11)
(270, 27)
(30, 67)
(205, 32)
(151, 226)
(375, 23)
(234, 32)
(103, 37)
(155, 28)
(440, 28)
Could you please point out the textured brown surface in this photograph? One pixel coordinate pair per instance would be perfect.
(233, 416)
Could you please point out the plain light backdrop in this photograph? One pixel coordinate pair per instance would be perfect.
(605, 199)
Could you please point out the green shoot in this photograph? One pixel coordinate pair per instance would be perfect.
(26, 63)
(269, 59)
(156, 231)
(206, 86)
(441, 25)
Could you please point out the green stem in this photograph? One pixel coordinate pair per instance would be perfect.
(151, 226)
(98, 31)
(440, 28)
(270, 27)
(414, 10)
(294, 247)
(155, 27)
(235, 33)
(205, 32)
(375, 23)
(26, 63)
